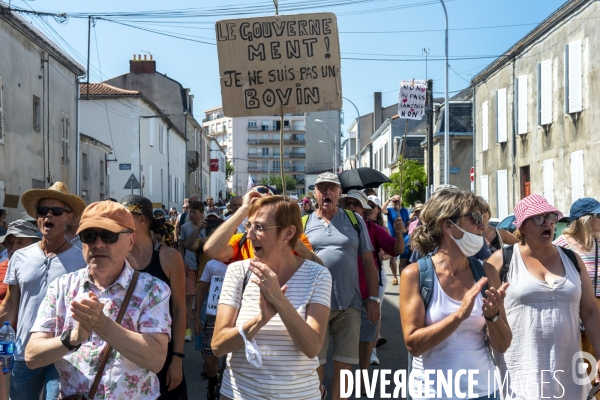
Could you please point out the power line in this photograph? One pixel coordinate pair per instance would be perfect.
(441, 30)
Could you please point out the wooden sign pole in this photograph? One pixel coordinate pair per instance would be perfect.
(281, 163)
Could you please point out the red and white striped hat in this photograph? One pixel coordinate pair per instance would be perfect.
(531, 206)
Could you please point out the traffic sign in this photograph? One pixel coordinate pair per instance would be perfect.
(472, 174)
(132, 183)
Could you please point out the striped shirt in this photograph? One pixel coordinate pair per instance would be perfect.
(589, 259)
(286, 372)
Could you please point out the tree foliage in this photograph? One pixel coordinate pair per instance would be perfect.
(290, 182)
(229, 170)
(410, 182)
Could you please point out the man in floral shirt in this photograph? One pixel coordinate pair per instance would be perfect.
(76, 320)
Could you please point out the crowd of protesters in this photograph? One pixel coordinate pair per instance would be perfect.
(104, 296)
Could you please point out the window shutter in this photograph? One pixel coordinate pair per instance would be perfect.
(548, 178)
(502, 193)
(577, 180)
(545, 92)
(574, 89)
(1, 114)
(484, 189)
(484, 129)
(150, 179)
(501, 128)
(522, 104)
(151, 132)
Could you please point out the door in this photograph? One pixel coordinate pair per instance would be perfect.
(525, 182)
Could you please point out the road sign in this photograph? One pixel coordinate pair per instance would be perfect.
(132, 183)
(472, 174)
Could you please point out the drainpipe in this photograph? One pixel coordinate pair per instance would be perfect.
(514, 136)
(78, 144)
(473, 115)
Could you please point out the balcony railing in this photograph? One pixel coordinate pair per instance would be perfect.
(261, 168)
(192, 160)
(276, 141)
(301, 168)
(212, 118)
(275, 156)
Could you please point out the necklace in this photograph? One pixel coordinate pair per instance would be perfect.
(55, 252)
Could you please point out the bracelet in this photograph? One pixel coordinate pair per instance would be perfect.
(180, 355)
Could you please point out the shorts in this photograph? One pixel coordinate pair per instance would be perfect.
(190, 281)
(368, 329)
(208, 329)
(344, 325)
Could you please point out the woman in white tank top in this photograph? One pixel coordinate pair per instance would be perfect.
(449, 337)
(546, 300)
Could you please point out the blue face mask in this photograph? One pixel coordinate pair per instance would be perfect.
(470, 243)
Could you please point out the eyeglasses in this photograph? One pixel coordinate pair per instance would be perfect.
(353, 204)
(538, 220)
(477, 218)
(56, 211)
(258, 228)
(323, 188)
(89, 236)
(185, 207)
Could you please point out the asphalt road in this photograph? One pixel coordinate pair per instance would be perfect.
(392, 355)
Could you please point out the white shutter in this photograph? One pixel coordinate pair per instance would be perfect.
(484, 128)
(1, 114)
(545, 92)
(577, 179)
(501, 128)
(573, 81)
(502, 193)
(150, 179)
(483, 187)
(548, 178)
(522, 104)
(151, 132)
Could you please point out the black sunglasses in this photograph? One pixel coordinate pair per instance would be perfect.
(476, 217)
(56, 211)
(89, 236)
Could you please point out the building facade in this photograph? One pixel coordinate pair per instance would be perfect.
(218, 181)
(38, 111)
(535, 114)
(95, 182)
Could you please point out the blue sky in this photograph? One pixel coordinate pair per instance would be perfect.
(195, 64)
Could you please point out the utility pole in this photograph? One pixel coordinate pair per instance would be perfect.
(429, 111)
(88, 58)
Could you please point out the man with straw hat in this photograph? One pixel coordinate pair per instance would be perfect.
(30, 271)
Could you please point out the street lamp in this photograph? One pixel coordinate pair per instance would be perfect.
(357, 133)
(446, 112)
(333, 169)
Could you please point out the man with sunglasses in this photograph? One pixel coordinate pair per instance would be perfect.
(183, 217)
(30, 271)
(76, 321)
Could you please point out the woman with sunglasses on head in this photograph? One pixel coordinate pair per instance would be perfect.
(452, 332)
(172, 216)
(273, 311)
(164, 263)
(495, 238)
(550, 293)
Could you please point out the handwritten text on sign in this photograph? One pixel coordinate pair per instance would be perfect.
(411, 103)
(285, 64)
(216, 284)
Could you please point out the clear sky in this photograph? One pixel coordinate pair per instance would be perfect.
(397, 30)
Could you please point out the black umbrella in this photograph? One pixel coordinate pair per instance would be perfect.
(361, 178)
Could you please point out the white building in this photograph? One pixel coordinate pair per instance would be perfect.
(145, 142)
(218, 181)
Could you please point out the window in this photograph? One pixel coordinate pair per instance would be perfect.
(521, 106)
(151, 131)
(545, 93)
(287, 164)
(501, 117)
(65, 139)
(84, 166)
(219, 128)
(577, 170)
(1, 115)
(502, 193)
(484, 126)
(573, 78)
(276, 166)
(265, 151)
(230, 123)
(265, 125)
(36, 113)
(251, 124)
(161, 139)
(150, 179)
(548, 179)
(484, 188)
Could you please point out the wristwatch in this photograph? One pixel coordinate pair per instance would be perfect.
(376, 299)
(494, 318)
(65, 339)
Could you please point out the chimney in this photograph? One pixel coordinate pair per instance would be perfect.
(377, 112)
(139, 66)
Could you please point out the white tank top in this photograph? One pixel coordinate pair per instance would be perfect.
(464, 349)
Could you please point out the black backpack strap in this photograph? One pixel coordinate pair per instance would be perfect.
(242, 241)
(572, 256)
(426, 279)
(507, 253)
(478, 272)
(246, 280)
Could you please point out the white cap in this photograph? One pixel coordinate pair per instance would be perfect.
(375, 200)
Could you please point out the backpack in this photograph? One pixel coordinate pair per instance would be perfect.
(350, 215)
(507, 253)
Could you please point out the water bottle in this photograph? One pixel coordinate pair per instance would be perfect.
(7, 347)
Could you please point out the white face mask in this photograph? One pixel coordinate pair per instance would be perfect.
(469, 244)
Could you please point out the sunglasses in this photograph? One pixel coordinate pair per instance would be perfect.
(477, 218)
(353, 204)
(262, 190)
(56, 211)
(538, 220)
(89, 236)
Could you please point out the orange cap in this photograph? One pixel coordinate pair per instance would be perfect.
(106, 215)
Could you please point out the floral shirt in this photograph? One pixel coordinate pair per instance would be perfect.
(147, 312)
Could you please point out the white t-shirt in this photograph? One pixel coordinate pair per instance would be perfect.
(214, 272)
(286, 372)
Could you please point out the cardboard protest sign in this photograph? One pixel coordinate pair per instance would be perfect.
(411, 102)
(279, 65)
(214, 293)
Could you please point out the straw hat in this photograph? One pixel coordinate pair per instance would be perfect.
(58, 191)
